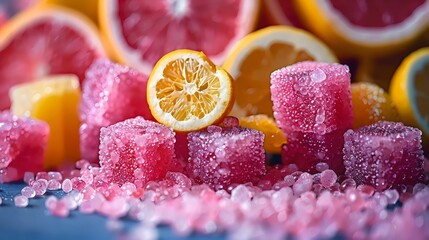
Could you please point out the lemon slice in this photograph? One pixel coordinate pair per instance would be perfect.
(187, 92)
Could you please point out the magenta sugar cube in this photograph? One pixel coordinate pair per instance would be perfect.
(312, 97)
(384, 155)
(306, 150)
(23, 143)
(136, 151)
(220, 156)
(110, 93)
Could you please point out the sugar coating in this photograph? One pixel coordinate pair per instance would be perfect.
(384, 155)
(312, 97)
(222, 156)
(23, 143)
(307, 150)
(136, 151)
(110, 93)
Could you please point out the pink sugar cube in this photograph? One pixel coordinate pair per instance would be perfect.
(222, 156)
(307, 150)
(23, 143)
(312, 97)
(110, 93)
(136, 151)
(384, 155)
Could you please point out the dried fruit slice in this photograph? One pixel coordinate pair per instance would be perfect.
(45, 41)
(54, 100)
(274, 137)
(409, 89)
(187, 92)
(141, 32)
(364, 27)
(258, 54)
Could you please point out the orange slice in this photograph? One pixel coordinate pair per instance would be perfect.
(187, 92)
(274, 137)
(53, 99)
(409, 91)
(257, 55)
(371, 104)
(141, 32)
(364, 27)
(44, 41)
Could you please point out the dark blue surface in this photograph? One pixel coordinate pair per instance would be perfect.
(35, 223)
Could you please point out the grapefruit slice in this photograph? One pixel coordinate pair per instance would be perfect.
(366, 27)
(44, 41)
(257, 55)
(141, 32)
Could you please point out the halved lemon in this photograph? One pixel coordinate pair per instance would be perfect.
(187, 92)
(409, 91)
(260, 53)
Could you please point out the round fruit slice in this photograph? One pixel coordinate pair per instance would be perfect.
(258, 54)
(366, 27)
(371, 104)
(141, 32)
(44, 41)
(187, 92)
(409, 91)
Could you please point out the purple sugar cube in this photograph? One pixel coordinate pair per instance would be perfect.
(312, 97)
(384, 155)
(136, 151)
(306, 150)
(23, 143)
(110, 93)
(222, 156)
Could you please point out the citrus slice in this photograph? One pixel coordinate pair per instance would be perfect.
(187, 92)
(274, 137)
(141, 32)
(53, 99)
(409, 91)
(43, 41)
(260, 53)
(281, 12)
(87, 7)
(371, 104)
(365, 27)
